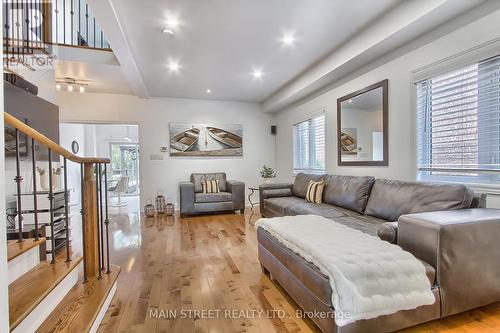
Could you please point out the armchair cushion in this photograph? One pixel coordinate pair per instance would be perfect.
(213, 197)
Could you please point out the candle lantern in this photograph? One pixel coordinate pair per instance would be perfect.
(149, 209)
(160, 204)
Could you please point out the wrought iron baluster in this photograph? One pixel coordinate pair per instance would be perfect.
(51, 210)
(98, 222)
(27, 20)
(18, 180)
(87, 23)
(94, 32)
(64, 21)
(6, 34)
(106, 221)
(35, 198)
(101, 219)
(66, 203)
(57, 23)
(82, 211)
(102, 46)
(72, 13)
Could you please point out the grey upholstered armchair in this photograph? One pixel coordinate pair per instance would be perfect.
(193, 200)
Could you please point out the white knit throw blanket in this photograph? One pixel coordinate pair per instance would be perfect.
(369, 277)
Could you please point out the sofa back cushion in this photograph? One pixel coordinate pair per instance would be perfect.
(349, 192)
(198, 178)
(301, 183)
(389, 199)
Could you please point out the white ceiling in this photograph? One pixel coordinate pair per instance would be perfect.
(220, 42)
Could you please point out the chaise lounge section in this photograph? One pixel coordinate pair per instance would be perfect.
(442, 225)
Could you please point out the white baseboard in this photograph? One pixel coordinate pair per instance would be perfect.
(23, 263)
(48, 304)
(104, 308)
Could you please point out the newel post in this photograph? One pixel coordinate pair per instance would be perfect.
(90, 233)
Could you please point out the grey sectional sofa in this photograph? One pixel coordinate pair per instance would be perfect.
(193, 201)
(443, 225)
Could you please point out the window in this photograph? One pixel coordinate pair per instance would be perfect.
(459, 124)
(309, 145)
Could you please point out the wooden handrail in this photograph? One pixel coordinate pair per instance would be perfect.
(22, 127)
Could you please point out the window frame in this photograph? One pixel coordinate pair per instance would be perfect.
(475, 178)
(309, 117)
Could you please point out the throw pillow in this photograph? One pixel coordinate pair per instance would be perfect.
(314, 192)
(210, 186)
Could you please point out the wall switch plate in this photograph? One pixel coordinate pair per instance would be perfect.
(156, 157)
(163, 149)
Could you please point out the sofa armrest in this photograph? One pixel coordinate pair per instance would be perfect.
(187, 197)
(462, 245)
(276, 193)
(388, 231)
(237, 189)
(272, 186)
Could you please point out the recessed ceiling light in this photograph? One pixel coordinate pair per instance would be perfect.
(168, 31)
(288, 39)
(208, 91)
(172, 22)
(173, 66)
(257, 73)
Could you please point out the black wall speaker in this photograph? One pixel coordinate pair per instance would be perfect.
(273, 130)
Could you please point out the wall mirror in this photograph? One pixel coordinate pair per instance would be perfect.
(362, 126)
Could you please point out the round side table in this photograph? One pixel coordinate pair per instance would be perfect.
(252, 191)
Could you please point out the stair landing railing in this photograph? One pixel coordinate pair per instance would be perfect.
(32, 27)
(94, 210)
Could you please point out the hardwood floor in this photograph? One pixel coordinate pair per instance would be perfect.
(210, 262)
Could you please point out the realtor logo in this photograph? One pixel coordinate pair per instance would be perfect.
(27, 31)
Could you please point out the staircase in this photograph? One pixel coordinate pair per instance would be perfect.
(71, 290)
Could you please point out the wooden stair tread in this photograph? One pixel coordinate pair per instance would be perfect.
(15, 248)
(80, 307)
(32, 287)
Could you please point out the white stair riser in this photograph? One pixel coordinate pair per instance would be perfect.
(23, 263)
(49, 303)
(104, 308)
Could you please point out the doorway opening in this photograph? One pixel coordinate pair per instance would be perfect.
(119, 143)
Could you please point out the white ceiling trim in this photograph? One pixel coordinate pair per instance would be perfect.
(388, 25)
(105, 14)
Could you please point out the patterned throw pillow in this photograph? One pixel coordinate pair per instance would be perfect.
(210, 186)
(315, 191)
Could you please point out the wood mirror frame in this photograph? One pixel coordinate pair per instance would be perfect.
(385, 125)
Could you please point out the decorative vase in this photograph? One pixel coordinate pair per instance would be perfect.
(44, 182)
(149, 209)
(267, 180)
(160, 204)
(170, 209)
(56, 181)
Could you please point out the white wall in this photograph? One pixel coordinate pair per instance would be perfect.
(402, 142)
(153, 117)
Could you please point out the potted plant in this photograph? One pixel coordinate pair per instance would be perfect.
(267, 174)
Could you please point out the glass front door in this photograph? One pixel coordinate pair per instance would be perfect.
(125, 163)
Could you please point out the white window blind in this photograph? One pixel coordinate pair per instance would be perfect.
(458, 116)
(309, 145)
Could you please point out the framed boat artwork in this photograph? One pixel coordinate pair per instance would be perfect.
(205, 139)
